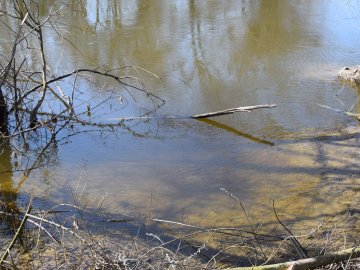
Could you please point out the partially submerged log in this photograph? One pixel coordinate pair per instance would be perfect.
(233, 110)
(310, 263)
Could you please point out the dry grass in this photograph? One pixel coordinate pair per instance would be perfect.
(56, 239)
(70, 237)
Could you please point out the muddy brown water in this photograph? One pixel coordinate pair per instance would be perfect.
(229, 53)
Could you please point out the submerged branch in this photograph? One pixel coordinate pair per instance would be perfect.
(18, 232)
(354, 115)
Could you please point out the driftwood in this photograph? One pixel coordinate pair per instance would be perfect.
(310, 263)
(233, 110)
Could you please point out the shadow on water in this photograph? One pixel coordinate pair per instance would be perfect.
(235, 131)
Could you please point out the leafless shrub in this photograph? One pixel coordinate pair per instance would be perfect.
(39, 108)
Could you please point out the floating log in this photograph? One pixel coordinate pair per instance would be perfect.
(233, 110)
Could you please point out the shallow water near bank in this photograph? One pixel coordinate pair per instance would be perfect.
(211, 56)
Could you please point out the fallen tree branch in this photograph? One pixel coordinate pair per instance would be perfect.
(310, 263)
(233, 110)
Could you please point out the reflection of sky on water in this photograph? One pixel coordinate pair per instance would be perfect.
(98, 12)
(342, 28)
(91, 11)
(231, 54)
(235, 54)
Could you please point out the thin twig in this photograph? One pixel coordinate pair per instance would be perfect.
(18, 232)
(300, 250)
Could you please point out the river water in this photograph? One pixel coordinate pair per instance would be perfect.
(209, 56)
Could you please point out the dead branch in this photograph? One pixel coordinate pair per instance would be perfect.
(59, 226)
(19, 230)
(310, 263)
(97, 72)
(34, 111)
(233, 110)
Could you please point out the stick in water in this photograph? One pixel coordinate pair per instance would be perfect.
(233, 110)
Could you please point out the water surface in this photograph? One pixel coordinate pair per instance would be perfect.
(209, 56)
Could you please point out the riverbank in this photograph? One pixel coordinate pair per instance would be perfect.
(70, 237)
